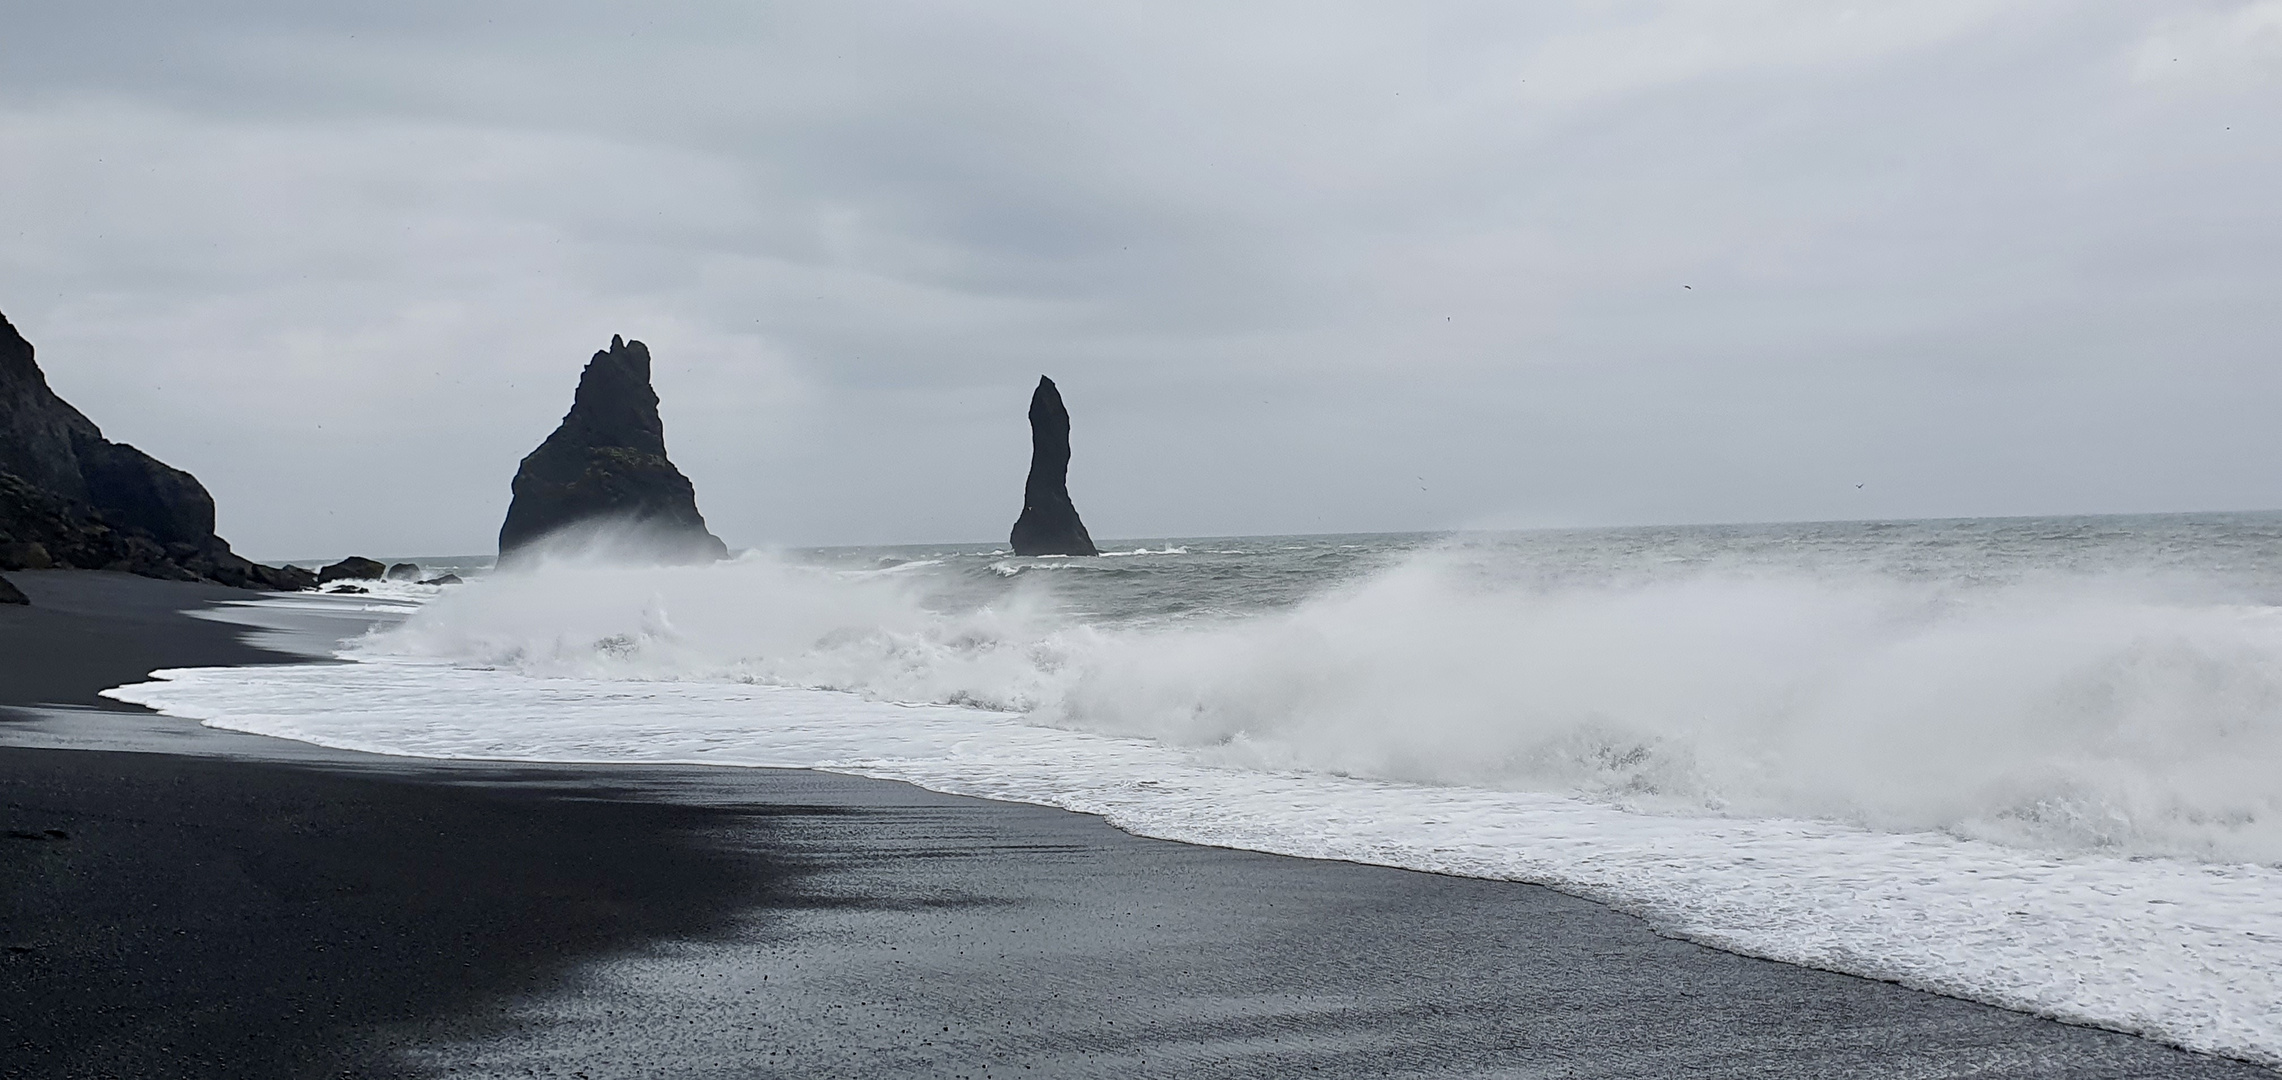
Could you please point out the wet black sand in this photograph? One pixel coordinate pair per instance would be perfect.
(179, 916)
(208, 913)
(86, 630)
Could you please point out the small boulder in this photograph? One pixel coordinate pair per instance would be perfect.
(447, 579)
(10, 594)
(355, 567)
(404, 571)
(348, 589)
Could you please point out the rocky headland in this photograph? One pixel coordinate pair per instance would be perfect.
(605, 467)
(1049, 523)
(70, 498)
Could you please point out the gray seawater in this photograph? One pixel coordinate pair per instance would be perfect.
(2036, 762)
(2068, 682)
(2102, 681)
(1171, 578)
(2236, 555)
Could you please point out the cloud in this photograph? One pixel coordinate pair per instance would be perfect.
(1579, 262)
(2227, 47)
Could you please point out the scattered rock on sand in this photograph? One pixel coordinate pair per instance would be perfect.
(348, 589)
(10, 594)
(356, 568)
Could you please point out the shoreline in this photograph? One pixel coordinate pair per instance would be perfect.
(800, 923)
(88, 630)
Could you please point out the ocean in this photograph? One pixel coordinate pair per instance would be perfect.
(2034, 762)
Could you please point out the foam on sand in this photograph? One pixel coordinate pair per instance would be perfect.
(2052, 793)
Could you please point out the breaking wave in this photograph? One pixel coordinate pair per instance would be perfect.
(2108, 711)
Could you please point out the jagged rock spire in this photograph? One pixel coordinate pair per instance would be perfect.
(606, 464)
(1049, 523)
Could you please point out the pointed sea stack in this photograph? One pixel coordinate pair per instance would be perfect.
(71, 498)
(1049, 523)
(606, 465)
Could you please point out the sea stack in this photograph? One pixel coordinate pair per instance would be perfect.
(1049, 523)
(71, 498)
(606, 466)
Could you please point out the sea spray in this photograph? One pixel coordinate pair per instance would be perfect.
(2026, 762)
(2079, 709)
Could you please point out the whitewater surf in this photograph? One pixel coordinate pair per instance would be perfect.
(2032, 762)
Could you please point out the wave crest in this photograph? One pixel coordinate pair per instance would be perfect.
(2088, 711)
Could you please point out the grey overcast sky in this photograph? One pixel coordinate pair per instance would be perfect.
(1302, 267)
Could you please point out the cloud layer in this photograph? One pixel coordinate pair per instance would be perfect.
(1297, 267)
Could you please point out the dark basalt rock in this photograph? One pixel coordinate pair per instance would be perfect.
(606, 467)
(348, 589)
(353, 568)
(288, 578)
(71, 498)
(10, 594)
(404, 571)
(1049, 523)
(447, 579)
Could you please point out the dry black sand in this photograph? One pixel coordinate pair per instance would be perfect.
(201, 912)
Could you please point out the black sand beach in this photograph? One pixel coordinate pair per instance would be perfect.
(87, 630)
(240, 907)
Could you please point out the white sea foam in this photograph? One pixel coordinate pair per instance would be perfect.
(2190, 953)
(2060, 795)
(2075, 714)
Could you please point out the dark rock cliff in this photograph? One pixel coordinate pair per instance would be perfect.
(606, 465)
(1049, 523)
(71, 498)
